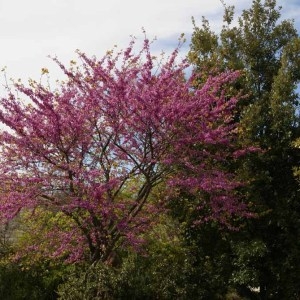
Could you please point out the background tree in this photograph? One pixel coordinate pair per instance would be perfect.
(95, 149)
(266, 50)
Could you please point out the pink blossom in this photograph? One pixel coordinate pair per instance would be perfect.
(95, 147)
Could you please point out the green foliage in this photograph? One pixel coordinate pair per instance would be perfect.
(266, 50)
(24, 272)
(88, 282)
(36, 237)
(159, 272)
(211, 262)
(247, 257)
(37, 282)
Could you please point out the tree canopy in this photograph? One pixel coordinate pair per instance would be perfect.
(146, 178)
(95, 148)
(265, 49)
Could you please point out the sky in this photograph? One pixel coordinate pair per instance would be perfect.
(31, 30)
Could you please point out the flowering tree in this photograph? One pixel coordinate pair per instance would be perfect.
(95, 148)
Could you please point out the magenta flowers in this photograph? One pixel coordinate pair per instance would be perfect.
(97, 147)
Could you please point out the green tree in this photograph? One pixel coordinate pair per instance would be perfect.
(266, 50)
(159, 271)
